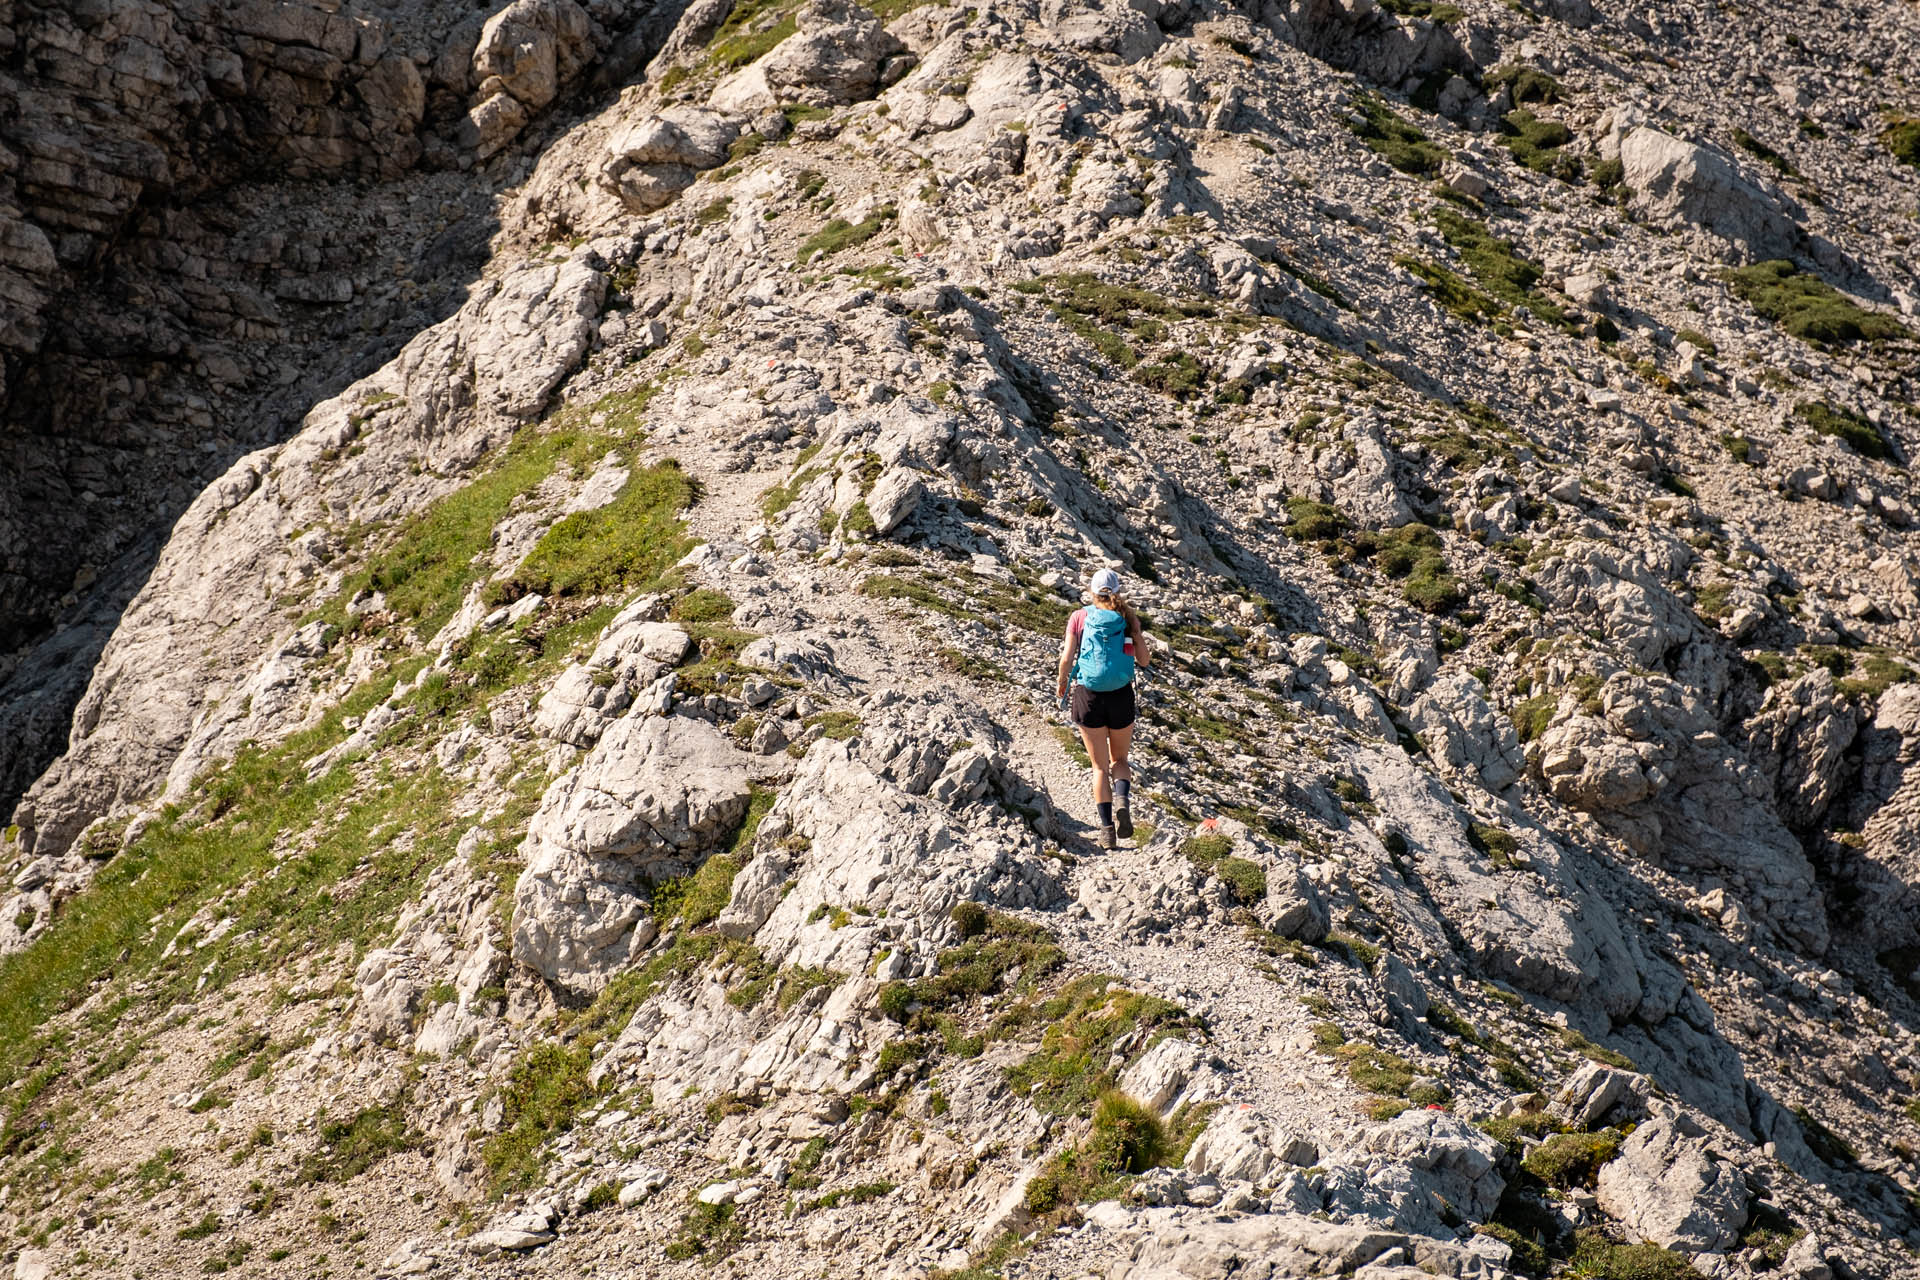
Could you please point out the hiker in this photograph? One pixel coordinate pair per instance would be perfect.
(1102, 647)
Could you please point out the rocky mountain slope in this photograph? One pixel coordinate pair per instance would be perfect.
(589, 801)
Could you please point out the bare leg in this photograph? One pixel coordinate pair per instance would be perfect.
(1096, 744)
(1119, 740)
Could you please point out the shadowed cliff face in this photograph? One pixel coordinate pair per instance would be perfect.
(211, 217)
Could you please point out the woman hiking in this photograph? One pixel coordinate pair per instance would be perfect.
(1100, 652)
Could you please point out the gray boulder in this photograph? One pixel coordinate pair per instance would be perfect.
(1465, 734)
(1667, 1187)
(1401, 1171)
(1676, 182)
(836, 56)
(653, 795)
(1295, 908)
(1241, 1145)
(1595, 1091)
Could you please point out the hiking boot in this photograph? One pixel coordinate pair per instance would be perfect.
(1107, 839)
(1123, 821)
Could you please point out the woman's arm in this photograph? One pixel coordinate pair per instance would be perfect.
(1067, 647)
(1142, 656)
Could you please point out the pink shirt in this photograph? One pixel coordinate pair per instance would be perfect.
(1078, 623)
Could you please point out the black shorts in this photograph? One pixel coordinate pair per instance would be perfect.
(1110, 710)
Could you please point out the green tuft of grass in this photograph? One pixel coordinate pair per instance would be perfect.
(1310, 521)
(710, 1231)
(1500, 269)
(1535, 142)
(1597, 1258)
(1393, 139)
(751, 31)
(1846, 426)
(1569, 1160)
(839, 234)
(631, 541)
(1808, 307)
(1902, 138)
(348, 1148)
(1529, 84)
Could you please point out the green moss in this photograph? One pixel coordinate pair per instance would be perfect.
(979, 966)
(1597, 1258)
(1500, 269)
(839, 234)
(631, 541)
(1846, 426)
(1902, 138)
(1393, 139)
(1571, 1159)
(1808, 307)
(715, 211)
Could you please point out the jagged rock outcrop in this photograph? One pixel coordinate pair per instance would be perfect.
(1668, 1187)
(653, 796)
(168, 694)
(1680, 183)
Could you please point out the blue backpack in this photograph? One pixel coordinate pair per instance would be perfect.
(1104, 663)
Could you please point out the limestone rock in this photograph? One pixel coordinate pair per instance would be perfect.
(1467, 735)
(1679, 182)
(1667, 1187)
(1240, 1145)
(836, 56)
(650, 797)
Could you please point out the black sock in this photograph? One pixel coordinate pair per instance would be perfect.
(1106, 813)
(1122, 789)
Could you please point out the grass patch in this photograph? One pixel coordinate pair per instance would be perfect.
(1535, 142)
(1902, 138)
(1529, 84)
(1597, 1258)
(710, 1231)
(1808, 307)
(348, 1148)
(751, 30)
(1571, 1159)
(1084, 1025)
(1127, 1138)
(1393, 139)
(1500, 268)
(547, 1085)
(632, 540)
(839, 234)
(1846, 426)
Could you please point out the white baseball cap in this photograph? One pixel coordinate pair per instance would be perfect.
(1105, 580)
